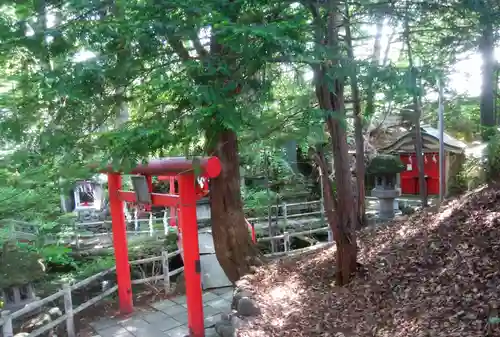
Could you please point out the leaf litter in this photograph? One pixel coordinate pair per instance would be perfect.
(433, 274)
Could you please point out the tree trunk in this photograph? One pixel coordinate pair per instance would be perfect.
(419, 152)
(330, 94)
(358, 126)
(420, 163)
(233, 246)
(346, 219)
(329, 200)
(370, 93)
(487, 48)
(235, 251)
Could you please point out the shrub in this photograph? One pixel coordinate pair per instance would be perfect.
(492, 160)
(385, 165)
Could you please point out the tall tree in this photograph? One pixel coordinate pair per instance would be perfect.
(171, 77)
(329, 87)
(358, 122)
(487, 41)
(415, 92)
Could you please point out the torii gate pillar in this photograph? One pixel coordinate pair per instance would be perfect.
(181, 168)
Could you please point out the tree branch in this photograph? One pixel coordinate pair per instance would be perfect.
(178, 47)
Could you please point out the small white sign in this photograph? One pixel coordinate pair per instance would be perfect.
(409, 167)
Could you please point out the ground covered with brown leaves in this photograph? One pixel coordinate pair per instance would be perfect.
(431, 275)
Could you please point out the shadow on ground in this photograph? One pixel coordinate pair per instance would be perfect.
(431, 275)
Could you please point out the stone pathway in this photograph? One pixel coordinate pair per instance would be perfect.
(167, 318)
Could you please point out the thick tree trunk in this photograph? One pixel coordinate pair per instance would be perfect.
(486, 48)
(346, 219)
(233, 246)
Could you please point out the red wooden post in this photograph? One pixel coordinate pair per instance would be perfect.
(183, 169)
(252, 230)
(192, 267)
(120, 244)
(173, 212)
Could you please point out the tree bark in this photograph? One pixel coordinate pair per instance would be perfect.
(419, 152)
(346, 220)
(233, 246)
(370, 93)
(330, 96)
(234, 249)
(358, 126)
(487, 100)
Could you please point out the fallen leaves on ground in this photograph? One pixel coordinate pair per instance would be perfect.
(430, 275)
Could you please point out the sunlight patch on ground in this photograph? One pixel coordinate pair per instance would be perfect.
(491, 217)
(417, 273)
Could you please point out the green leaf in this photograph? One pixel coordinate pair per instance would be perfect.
(197, 167)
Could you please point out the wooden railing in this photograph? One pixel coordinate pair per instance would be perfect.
(6, 320)
(285, 212)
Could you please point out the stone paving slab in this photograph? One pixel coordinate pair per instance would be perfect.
(222, 291)
(219, 303)
(167, 318)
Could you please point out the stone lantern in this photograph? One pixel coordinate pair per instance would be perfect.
(385, 168)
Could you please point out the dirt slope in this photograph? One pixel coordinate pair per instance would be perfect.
(432, 275)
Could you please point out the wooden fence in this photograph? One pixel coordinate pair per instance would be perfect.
(287, 213)
(6, 320)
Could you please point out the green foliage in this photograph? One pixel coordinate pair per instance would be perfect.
(28, 192)
(384, 165)
(461, 117)
(18, 266)
(95, 266)
(492, 163)
(50, 254)
(459, 182)
(186, 71)
(57, 255)
(257, 202)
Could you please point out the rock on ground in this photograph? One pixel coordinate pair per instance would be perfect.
(40, 320)
(247, 307)
(244, 308)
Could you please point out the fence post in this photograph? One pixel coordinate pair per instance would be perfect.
(68, 310)
(166, 271)
(285, 214)
(151, 229)
(75, 230)
(286, 242)
(270, 225)
(165, 222)
(136, 220)
(7, 324)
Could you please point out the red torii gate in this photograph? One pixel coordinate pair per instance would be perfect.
(183, 169)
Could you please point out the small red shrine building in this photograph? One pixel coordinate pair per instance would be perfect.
(404, 146)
